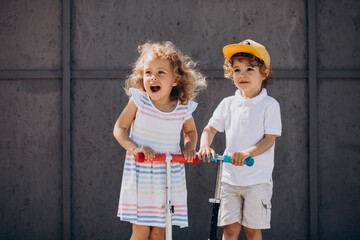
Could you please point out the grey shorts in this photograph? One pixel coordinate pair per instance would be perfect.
(250, 206)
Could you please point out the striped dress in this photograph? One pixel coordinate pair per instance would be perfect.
(143, 193)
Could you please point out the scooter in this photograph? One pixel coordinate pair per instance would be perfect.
(168, 159)
(216, 200)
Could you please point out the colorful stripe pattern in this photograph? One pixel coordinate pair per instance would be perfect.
(143, 194)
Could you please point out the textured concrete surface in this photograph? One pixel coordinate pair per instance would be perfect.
(30, 156)
(339, 31)
(339, 154)
(30, 34)
(97, 159)
(107, 33)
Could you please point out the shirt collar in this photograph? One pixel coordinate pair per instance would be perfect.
(254, 100)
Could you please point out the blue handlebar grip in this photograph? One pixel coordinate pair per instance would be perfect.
(211, 157)
(248, 162)
(227, 158)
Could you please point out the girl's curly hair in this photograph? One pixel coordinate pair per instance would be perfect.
(253, 61)
(189, 80)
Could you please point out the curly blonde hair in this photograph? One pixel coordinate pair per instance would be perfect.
(190, 81)
(253, 61)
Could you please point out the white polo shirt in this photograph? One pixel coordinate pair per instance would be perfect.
(245, 121)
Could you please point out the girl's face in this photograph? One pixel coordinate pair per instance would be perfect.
(247, 78)
(159, 79)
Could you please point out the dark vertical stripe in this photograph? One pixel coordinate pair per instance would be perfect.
(313, 136)
(66, 110)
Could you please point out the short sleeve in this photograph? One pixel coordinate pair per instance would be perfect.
(217, 120)
(273, 119)
(136, 95)
(191, 108)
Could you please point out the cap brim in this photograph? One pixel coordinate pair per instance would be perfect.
(230, 50)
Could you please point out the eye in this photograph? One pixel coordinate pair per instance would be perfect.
(147, 72)
(250, 69)
(161, 72)
(237, 70)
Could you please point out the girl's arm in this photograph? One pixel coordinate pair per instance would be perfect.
(190, 139)
(123, 123)
(266, 143)
(206, 139)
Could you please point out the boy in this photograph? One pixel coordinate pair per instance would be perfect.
(251, 121)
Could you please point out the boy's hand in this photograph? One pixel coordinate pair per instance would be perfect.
(147, 151)
(189, 155)
(238, 158)
(205, 152)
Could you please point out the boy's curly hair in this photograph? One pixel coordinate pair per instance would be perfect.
(190, 81)
(253, 61)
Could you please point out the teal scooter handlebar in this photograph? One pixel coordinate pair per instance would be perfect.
(248, 162)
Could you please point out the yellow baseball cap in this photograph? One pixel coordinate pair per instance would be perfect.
(248, 46)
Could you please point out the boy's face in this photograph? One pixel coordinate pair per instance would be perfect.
(247, 78)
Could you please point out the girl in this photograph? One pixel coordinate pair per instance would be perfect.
(161, 87)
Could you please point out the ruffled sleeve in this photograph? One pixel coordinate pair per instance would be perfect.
(191, 107)
(136, 95)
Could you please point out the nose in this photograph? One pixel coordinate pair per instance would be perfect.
(153, 77)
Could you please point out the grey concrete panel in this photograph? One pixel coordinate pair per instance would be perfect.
(339, 154)
(30, 155)
(290, 198)
(30, 34)
(106, 33)
(97, 160)
(338, 34)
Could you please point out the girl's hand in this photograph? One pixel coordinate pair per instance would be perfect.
(189, 155)
(238, 158)
(206, 152)
(147, 151)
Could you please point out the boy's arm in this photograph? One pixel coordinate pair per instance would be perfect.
(266, 143)
(206, 139)
(120, 132)
(190, 139)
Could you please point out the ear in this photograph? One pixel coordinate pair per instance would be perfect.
(175, 82)
(267, 72)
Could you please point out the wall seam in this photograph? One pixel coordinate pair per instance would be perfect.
(66, 119)
(313, 128)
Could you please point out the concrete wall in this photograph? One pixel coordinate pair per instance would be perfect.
(105, 35)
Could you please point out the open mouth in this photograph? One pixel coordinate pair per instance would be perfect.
(154, 88)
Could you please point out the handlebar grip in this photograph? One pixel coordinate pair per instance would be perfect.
(248, 161)
(159, 157)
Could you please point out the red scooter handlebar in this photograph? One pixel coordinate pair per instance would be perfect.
(140, 157)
